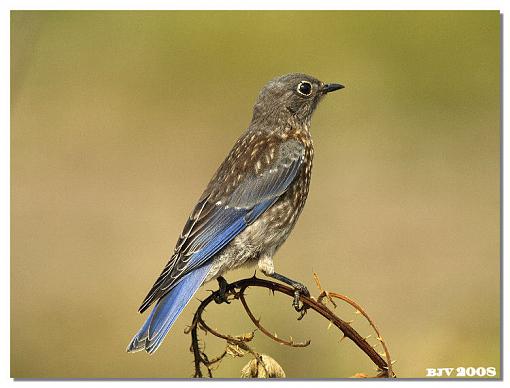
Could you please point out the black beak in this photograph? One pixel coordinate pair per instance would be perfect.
(331, 88)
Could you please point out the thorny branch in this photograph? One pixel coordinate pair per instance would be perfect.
(238, 345)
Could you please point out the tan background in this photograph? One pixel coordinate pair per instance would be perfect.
(120, 118)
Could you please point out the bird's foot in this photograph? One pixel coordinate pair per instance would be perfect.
(221, 296)
(299, 289)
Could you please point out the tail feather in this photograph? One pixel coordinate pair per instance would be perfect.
(163, 315)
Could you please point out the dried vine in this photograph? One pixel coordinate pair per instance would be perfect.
(239, 345)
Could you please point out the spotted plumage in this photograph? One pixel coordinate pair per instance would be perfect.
(248, 208)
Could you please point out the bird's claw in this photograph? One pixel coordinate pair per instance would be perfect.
(221, 296)
(300, 289)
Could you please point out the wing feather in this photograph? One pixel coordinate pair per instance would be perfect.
(218, 219)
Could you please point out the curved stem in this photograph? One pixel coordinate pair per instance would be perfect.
(256, 322)
(316, 305)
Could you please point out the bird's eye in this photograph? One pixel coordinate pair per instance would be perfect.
(304, 88)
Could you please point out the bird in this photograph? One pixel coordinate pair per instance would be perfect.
(249, 207)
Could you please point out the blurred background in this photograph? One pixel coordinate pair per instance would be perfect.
(119, 119)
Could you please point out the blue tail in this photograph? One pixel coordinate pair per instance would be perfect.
(166, 311)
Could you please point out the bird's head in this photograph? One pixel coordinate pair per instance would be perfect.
(292, 95)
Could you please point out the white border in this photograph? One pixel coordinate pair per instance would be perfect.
(6, 6)
(261, 4)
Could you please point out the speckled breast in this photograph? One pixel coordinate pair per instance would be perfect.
(283, 215)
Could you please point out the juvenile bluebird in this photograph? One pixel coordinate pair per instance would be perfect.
(249, 207)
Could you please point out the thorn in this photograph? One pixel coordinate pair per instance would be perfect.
(330, 324)
(374, 346)
(383, 354)
(394, 361)
(357, 312)
(380, 339)
(367, 337)
(275, 335)
(349, 322)
(343, 337)
(317, 281)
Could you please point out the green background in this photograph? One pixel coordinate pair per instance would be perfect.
(119, 119)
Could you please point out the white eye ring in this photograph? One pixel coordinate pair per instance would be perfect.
(304, 88)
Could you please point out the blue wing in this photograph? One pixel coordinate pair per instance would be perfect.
(163, 315)
(170, 305)
(221, 214)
